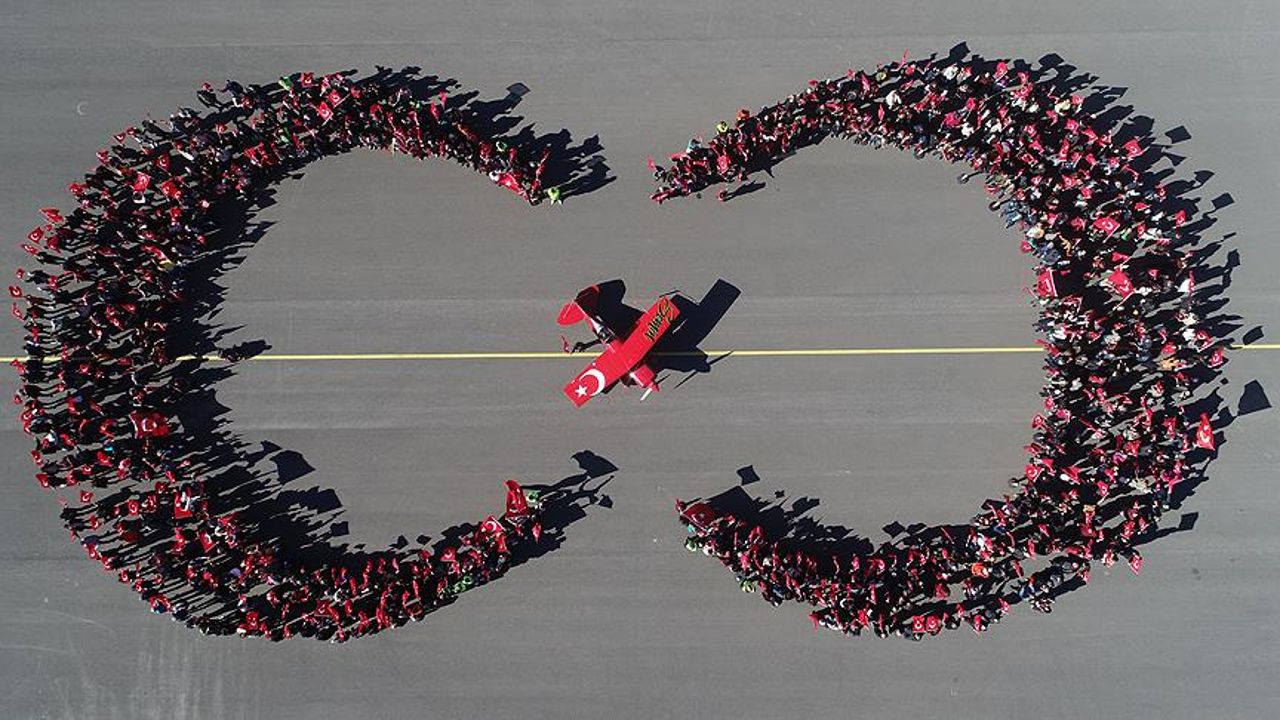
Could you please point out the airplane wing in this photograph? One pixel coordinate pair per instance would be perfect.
(618, 359)
(581, 307)
(650, 328)
(607, 369)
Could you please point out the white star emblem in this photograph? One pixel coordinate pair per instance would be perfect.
(581, 390)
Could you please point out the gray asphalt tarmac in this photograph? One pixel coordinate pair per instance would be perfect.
(843, 248)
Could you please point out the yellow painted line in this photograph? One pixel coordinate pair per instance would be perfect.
(416, 356)
(548, 355)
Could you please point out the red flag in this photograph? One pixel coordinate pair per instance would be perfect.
(36, 235)
(149, 423)
(517, 503)
(334, 98)
(699, 514)
(324, 111)
(1107, 225)
(1132, 148)
(509, 181)
(919, 624)
(1045, 287)
(180, 512)
(491, 527)
(1121, 282)
(52, 214)
(1204, 434)
(170, 189)
(1002, 69)
(1135, 562)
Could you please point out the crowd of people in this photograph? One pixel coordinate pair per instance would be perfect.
(1125, 346)
(1125, 351)
(99, 388)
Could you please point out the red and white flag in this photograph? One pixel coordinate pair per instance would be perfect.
(517, 503)
(1204, 433)
(1106, 224)
(490, 527)
(699, 514)
(1135, 562)
(1121, 282)
(150, 423)
(1045, 287)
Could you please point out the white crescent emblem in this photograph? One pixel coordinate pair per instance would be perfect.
(599, 376)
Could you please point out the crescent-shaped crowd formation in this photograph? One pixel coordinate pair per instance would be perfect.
(1125, 348)
(100, 389)
(102, 385)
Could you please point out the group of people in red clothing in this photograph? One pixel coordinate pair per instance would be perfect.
(1126, 351)
(1120, 319)
(101, 384)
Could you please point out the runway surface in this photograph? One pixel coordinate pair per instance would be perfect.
(844, 248)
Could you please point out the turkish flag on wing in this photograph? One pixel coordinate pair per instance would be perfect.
(1121, 282)
(149, 423)
(517, 503)
(1204, 434)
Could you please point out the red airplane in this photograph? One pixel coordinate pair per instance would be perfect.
(622, 359)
